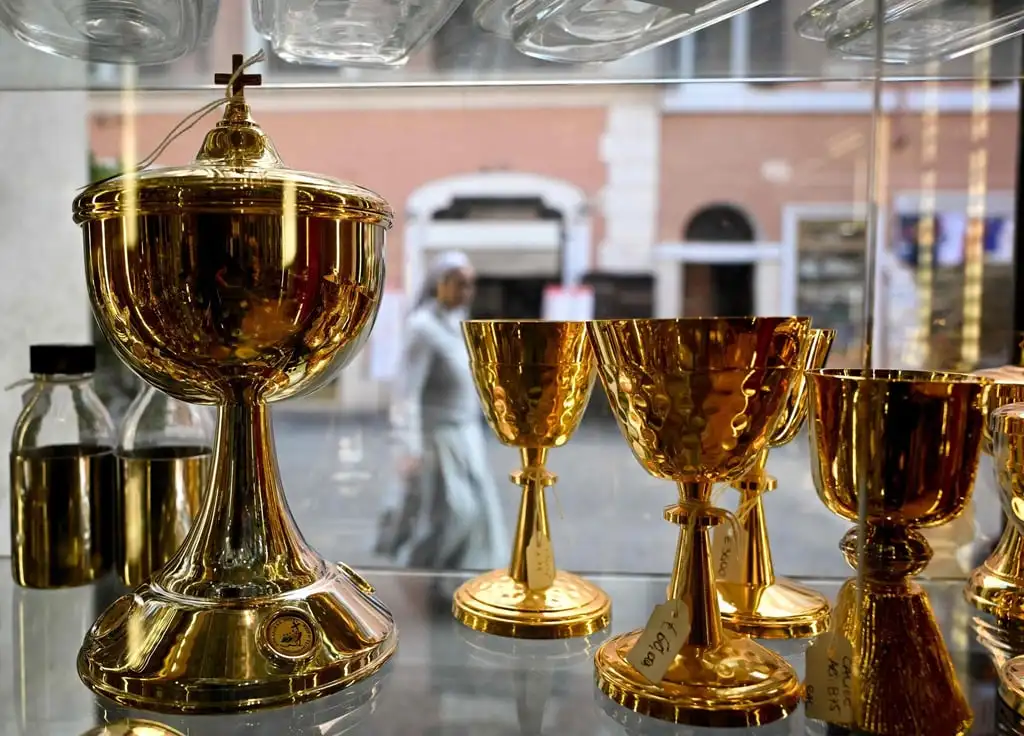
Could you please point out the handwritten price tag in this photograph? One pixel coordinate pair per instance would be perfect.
(661, 640)
(540, 563)
(828, 691)
(725, 553)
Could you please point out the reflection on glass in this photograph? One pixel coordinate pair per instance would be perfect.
(605, 30)
(111, 31)
(372, 33)
(915, 31)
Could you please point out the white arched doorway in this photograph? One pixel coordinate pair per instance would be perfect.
(557, 246)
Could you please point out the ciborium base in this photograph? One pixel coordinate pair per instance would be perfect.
(495, 603)
(782, 610)
(737, 684)
(170, 653)
(997, 587)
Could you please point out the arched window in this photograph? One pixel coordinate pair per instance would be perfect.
(719, 290)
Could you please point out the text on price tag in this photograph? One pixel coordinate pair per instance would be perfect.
(828, 690)
(540, 562)
(726, 553)
(661, 640)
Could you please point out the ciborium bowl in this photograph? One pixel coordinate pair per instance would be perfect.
(997, 585)
(534, 379)
(752, 599)
(236, 282)
(897, 450)
(697, 400)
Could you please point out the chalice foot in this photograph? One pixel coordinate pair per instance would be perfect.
(781, 610)
(997, 587)
(738, 683)
(263, 652)
(495, 603)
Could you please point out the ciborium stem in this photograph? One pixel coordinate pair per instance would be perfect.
(755, 551)
(532, 527)
(244, 543)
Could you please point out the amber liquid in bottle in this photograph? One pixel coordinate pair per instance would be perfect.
(61, 530)
(160, 492)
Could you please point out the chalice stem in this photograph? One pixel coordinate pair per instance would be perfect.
(532, 532)
(693, 579)
(1007, 559)
(755, 551)
(244, 542)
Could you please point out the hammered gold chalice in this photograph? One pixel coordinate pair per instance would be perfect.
(755, 602)
(236, 282)
(898, 450)
(697, 401)
(534, 380)
(997, 585)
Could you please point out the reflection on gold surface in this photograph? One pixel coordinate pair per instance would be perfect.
(997, 586)
(132, 727)
(534, 380)
(757, 603)
(900, 449)
(697, 401)
(247, 283)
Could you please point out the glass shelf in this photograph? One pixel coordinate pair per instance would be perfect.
(445, 678)
(759, 46)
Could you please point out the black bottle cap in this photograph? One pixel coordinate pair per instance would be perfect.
(68, 360)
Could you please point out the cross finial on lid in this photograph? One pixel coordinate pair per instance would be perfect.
(240, 80)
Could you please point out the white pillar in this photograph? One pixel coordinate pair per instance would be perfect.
(42, 299)
(630, 150)
(42, 282)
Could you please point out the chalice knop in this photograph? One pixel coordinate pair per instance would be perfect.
(534, 379)
(697, 400)
(236, 282)
(898, 449)
(757, 603)
(997, 585)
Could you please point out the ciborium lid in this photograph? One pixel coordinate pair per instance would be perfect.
(237, 169)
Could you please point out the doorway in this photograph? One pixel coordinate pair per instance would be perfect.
(718, 289)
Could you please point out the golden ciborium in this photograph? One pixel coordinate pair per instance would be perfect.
(755, 602)
(236, 282)
(997, 585)
(898, 449)
(697, 400)
(534, 379)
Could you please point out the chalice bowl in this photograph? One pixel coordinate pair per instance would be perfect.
(697, 401)
(534, 379)
(997, 585)
(752, 600)
(236, 282)
(899, 451)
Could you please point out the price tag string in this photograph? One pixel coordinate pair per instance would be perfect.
(545, 479)
(189, 121)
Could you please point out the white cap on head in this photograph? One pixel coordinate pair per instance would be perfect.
(442, 264)
(446, 262)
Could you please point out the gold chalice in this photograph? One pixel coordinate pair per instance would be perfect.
(534, 380)
(236, 282)
(697, 400)
(997, 586)
(898, 449)
(756, 603)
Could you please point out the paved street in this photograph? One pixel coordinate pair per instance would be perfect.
(606, 516)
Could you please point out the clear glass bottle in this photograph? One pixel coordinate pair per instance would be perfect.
(111, 31)
(63, 476)
(163, 458)
(367, 33)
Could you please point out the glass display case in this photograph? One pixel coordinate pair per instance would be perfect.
(855, 163)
